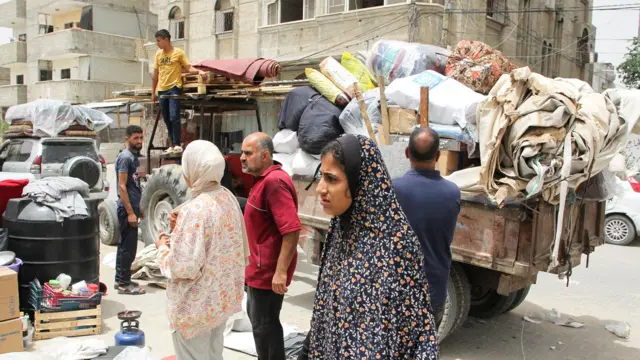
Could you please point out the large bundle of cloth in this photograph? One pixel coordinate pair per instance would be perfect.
(477, 65)
(530, 126)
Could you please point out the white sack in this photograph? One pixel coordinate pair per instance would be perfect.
(241, 323)
(286, 142)
(286, 160)
(450, 102)
(304, 164)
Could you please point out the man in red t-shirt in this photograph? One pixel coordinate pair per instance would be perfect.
(273, 227)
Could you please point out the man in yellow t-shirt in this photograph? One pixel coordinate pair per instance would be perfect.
(169, 64)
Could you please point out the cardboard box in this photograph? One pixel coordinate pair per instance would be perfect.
(11, 336)
(448, 162)
(402, 121)
(9, 304)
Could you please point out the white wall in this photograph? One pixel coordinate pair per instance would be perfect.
(72, 64)
(122, 23)
(114, 70)
(19, 69)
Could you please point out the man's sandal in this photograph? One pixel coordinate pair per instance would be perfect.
(131, 290)
(116, 286)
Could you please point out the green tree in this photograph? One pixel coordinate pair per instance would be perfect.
(630, 67)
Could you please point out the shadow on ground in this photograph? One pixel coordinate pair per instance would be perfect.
(509, 337)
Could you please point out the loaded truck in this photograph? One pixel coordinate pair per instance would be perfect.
(497, 252)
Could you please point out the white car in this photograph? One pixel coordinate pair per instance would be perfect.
(61, 156)
(622, 215)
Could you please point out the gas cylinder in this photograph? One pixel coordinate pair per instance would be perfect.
(130, 333)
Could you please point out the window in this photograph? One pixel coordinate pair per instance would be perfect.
(65, 74)
(558, 36)
(68, 25)
(336, 6)
(19, 151)
(496, 10)
(273, 13)
(224, 21)
(22, 37)
(19, 79)
(46, 75)
(58, 152)
(176, 23)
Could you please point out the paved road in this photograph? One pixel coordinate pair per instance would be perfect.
(607, 292)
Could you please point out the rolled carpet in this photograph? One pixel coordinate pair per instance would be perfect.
(251, 71)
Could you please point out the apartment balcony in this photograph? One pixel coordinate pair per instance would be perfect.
(74, 91)
(320, 37)
(13, 53)
(12, 95)
(71, 43)
(13, 13)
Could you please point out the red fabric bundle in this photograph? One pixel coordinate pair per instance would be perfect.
(10, 189)
(250, 71)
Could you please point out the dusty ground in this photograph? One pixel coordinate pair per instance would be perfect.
(607, 292)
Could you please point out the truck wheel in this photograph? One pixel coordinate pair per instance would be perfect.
(487, 303)
(519, 297)
(109, 226)
(164, 190)
(456, 307)
(619, 230)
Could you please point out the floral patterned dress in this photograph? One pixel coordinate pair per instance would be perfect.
(205, 265)
(372, 300)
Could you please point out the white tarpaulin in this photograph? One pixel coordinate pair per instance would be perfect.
(522, 128)
(51, 117)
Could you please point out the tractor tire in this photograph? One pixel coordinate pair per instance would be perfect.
(456, 307)
(520, 295)
(109, 226)
(164, 190)
(490, 304)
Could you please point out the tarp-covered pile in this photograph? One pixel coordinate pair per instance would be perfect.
(536, 132)
(54, 118)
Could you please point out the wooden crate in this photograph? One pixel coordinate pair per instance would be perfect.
(50, 325)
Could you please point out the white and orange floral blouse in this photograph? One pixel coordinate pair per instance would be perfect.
(205, 264)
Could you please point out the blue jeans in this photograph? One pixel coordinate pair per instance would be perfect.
(171, 114)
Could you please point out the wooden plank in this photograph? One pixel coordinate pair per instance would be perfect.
(67, 314)
(384, 110)
(363, 112)
(69, 324)
(424, 107)
(381, 136)
(68, 333)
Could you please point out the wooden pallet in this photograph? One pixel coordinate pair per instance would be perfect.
(65, 323)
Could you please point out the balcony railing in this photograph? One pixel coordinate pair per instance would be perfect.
(78, 42)
(12, 95)
(13, 53)
(75, 91)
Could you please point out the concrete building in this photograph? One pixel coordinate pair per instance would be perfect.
(298, 33)
(75, 50)
(604, 74)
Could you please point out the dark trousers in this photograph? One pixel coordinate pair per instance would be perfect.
(171, 114)
(263, 308)
(127, 247)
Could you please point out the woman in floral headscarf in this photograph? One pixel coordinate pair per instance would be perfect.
(204, 257)
(372, 300)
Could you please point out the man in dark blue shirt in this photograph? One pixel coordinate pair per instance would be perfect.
(431, 204)
(129, 194)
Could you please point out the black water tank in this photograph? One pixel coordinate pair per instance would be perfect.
(49, 248)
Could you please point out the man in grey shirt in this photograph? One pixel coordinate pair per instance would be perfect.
(129, 194)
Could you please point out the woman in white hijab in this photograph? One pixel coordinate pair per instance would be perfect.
(204, 257)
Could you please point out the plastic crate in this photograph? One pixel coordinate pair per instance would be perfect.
(46, 299)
